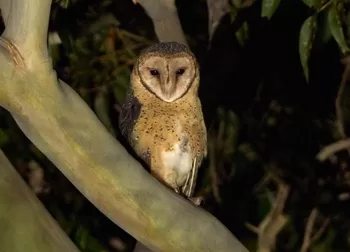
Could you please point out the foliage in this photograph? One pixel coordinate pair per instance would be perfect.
(273, 135)
(326, 20)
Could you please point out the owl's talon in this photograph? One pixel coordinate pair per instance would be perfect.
(197, 200)
(190, 184)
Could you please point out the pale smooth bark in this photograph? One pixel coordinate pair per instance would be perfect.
(216, 10)
(63, 127)
(165, 19)
(25, 224)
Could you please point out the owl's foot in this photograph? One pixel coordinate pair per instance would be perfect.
(197, 200)
(190, 184)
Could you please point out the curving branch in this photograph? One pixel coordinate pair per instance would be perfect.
(24, 222)
(310, 236)
(274, 221)
(338, 101)
(25, 28)
(5, 9)
(217, 9)
(63, 127)
(329, 150)
(165, 19)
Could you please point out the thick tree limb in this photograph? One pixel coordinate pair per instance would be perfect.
(63, 127)
(165, 19)
(216, 10)
(25, 29)
(5, 9)
(24, 222)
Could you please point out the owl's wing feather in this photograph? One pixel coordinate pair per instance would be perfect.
(130, 112)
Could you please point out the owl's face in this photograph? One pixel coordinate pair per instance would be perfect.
(168, 77)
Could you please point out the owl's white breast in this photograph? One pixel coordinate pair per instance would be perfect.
(178, 160)
(180, 157)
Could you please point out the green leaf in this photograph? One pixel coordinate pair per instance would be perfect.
(233, 12)
(269, 7)
(309, 3)
(81, 236)
(4, 138)
(264, 204)
(94, 245)
(325, 244)
(323, 28)
(242, 33)
(306, 39)
(335, 25)
(313, 3)
(63, 3)
(121, 84)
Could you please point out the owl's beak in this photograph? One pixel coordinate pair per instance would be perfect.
(169, 89)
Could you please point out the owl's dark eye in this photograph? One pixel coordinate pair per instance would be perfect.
(154, 72)
(180, 71)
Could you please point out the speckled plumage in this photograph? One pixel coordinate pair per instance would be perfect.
(170, 136)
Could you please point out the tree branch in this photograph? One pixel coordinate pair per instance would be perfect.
(24, 223)
(332, 148)
(309, 237)
(26, 27)
(165, 19)
(63, 127)
(5, 9)
(216, 10)
(338, 100)
(308, 231)
(274, 221)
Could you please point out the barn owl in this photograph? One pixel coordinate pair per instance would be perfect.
(162, 117)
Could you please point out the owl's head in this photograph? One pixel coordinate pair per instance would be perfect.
(167, 70)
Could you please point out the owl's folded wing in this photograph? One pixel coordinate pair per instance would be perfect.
(130, 112)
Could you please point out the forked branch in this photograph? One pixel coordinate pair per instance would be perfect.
(55, 118)
(26, 27)
(274, 221)
(165, 19)
(310, 236)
